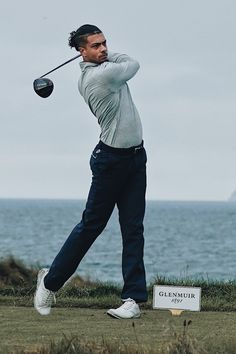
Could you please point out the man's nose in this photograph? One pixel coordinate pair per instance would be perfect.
(103, 48)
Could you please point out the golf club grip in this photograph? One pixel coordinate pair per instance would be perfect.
(68, 61)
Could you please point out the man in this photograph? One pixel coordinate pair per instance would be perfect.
(118, 165)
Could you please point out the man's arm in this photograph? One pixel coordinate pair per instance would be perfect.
(118, 69)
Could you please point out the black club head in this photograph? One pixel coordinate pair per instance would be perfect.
(43, 87)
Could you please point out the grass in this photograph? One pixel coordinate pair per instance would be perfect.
(22, 329)
(79, 323)
(18, 283)
(216, 295)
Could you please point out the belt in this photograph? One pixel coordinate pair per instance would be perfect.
(120, 151)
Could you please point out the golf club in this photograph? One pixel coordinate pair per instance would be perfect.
(43, 86)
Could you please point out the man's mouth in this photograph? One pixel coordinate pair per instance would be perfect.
(104, 56)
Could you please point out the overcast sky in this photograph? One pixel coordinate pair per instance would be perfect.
(185, 93)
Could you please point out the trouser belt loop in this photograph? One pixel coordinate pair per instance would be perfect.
(136, 149)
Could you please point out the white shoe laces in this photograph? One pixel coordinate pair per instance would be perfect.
(128, 304)
(47, 298)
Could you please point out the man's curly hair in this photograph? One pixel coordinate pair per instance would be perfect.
(79, 37)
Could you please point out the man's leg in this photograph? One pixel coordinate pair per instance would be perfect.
(100, 204)
(131, 205)
(98, 210)
(109, 176)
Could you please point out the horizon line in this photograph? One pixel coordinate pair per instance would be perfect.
(147, 199)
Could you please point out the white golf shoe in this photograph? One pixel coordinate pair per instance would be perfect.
(129, 309)
(43, 298)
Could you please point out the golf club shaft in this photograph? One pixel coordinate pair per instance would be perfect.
(68, 61)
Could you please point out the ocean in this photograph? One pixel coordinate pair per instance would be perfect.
(182, 239)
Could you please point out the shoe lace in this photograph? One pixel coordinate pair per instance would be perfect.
(128, 304)
(48, 297)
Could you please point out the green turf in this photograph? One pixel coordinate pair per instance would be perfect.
(24, 328)
(81, 312)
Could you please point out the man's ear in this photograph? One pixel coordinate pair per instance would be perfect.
(82, 51)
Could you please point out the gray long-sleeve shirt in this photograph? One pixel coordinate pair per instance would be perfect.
(104, 88)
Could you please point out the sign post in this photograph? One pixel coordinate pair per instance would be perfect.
(176, 298)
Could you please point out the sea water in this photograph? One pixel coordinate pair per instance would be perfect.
(182, 239)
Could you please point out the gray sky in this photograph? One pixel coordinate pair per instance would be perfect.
(184, 91)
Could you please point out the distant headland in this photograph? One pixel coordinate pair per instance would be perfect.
(232, 198)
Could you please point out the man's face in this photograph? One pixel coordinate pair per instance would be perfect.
(95, 50)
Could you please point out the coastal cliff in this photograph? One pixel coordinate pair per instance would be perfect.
(232, 198)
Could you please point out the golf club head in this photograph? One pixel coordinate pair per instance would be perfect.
(43, 87)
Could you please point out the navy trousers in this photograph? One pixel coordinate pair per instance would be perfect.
(118, 178)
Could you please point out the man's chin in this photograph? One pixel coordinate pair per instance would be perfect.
(103, 59)
(100, 60)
